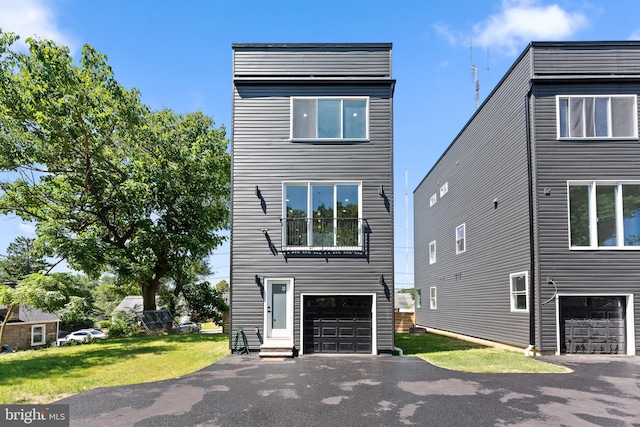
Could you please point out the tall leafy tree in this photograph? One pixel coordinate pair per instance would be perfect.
(21, 260)
(110, 184)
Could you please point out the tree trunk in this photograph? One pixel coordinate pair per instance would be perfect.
(149, 290)
(4, 323)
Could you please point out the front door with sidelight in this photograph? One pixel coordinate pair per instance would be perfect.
(278, 312)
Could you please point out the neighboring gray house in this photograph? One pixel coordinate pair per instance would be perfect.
(312, 200)
(527, 228)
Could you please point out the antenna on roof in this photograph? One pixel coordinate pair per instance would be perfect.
(474, 73)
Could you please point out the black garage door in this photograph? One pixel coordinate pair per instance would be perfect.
(592, 325)
(337, 324)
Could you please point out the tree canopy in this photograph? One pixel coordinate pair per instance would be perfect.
(110, 184)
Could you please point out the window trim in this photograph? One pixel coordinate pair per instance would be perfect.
(367, 99)
(433, 298)
(609, 122)
(525, 292)
(464, 238)
(432, 253)
(593, 217)
(309, 184)
(44, 334)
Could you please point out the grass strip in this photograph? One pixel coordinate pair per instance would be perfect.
(464, 356)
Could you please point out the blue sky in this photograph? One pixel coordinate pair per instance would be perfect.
(179, 55)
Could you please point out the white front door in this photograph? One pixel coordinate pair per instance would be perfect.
(278, 312)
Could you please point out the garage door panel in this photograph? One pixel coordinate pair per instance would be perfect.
(592, 325)
(340, 324)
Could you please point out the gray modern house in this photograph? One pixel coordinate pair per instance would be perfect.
(312, 201)
(527, 229)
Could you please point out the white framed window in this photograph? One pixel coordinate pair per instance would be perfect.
(38, 335)
(604, 215)
(322, 215)
(418, 298)
(444, 189)
(461, 244)
(433, 199)
(328, 118)
(596, 117)
(519, 289)
(432, 252)
(433, 298)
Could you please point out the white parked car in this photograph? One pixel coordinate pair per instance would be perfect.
(85, 334)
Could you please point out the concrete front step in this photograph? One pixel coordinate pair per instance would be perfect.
(276, 352)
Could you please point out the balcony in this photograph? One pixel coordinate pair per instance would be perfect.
(323, 235)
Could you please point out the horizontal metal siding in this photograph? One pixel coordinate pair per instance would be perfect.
(587, 60)
(487, 161)
(312, 62)
(594, 271)
(263, 156)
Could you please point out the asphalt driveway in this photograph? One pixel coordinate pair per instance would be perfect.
(370, 391)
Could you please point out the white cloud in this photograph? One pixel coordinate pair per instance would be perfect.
(521, 21)
(453, 37)
(635, 35)
(30, 18)
(27, 229)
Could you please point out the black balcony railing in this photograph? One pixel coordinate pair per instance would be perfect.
(301, 234)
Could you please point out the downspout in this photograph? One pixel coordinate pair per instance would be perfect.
(530, 350)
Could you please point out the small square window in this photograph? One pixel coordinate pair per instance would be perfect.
(433, 199)
(433, 298)
(432, 252)
(460, 239)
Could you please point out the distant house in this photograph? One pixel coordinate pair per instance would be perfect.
(28, 327)
(131, 304)
(527, 227)
(312, 198)
(404, 302)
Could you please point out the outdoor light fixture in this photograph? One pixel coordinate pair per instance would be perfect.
(381, 191)
(495, 203)
(265, 231)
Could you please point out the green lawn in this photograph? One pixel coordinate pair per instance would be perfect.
(457, 355)
(41, 376)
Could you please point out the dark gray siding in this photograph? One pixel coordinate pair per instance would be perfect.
(366, 60)
(263, 156)
(487, 161)
(579, 271)
(586, 59)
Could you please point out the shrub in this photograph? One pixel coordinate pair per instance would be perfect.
(123, 325)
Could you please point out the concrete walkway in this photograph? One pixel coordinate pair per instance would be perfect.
(370, 391)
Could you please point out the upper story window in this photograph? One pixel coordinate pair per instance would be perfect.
(329, 118)
(444, 189)
(432, 252)
(433, 200)
(612, 116)
(322, 216)
(604, 215)
(460, 239)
